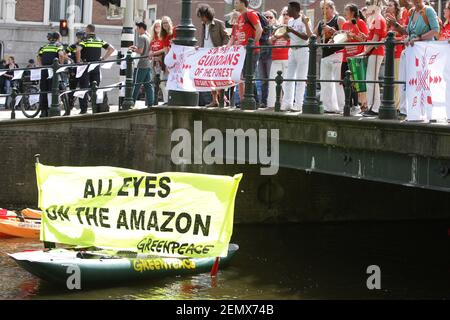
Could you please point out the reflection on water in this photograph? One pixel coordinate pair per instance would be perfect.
(315, 261)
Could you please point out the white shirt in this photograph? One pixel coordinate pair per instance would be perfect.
(299, 26)
(208, 42)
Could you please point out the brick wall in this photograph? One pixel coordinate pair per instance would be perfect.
(30, 10)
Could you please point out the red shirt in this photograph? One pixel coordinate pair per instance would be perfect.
(281, 53)
(445, 32)
(350, 51)
(156, 45)
(167, 39)
(398, 37)
(405, 17)
(243, 30)
(378, 27)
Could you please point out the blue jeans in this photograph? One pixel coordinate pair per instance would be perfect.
(264, 64)
(144, 75)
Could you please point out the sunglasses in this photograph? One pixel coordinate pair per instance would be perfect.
(269, 17)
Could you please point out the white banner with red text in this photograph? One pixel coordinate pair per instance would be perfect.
(201, 69)
(427, 76)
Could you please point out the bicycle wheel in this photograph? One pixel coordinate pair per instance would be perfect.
(30, 110)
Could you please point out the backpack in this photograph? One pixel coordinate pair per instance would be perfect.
(264, 25)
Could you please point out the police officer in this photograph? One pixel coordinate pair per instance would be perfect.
(71, 52)
(90, 50)
(46, 55)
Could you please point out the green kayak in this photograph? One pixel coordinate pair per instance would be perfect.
(100, 268)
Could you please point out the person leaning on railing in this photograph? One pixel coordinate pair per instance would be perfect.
(423, 25)
(445, 30)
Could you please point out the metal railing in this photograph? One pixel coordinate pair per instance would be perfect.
(311, 103)
(54, 108)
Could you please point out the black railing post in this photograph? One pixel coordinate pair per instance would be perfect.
(279, 81)
(128, 102)
(55, 110)
(311, 104)
(249, 102)
(387, 110)
(348, 93)
(157, 86)
(221, 94)
(13, 103)
(94, 88)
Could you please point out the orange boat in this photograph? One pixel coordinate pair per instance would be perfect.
(31, 213)
(23, 228)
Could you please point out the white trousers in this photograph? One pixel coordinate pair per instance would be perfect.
(373, 89)
(297, 69)
(332, 93)
(277, 65)
(402, 77)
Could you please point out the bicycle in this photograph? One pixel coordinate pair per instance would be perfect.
(34, 109)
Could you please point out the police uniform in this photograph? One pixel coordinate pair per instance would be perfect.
(47, 54)
(73, 81)
(91, 50)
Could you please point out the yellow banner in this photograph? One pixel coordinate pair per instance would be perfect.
(168, 214)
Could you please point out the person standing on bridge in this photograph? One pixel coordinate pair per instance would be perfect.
(280, 57)
(71, 51)
(143, 72)
(47, 54)
(213, 34)
(248, 26)
(299, 31)
(168, 33)
(331, 93)
(90, 50)
(377, 33)
(422, 25)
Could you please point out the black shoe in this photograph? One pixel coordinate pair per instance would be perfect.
(370, 113)
(83, 111)
(401, 116)
(44, 114)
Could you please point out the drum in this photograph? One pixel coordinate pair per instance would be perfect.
(340, 37)
(280, 32)
(358, 68)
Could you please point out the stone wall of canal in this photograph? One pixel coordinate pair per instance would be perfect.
(141, 140)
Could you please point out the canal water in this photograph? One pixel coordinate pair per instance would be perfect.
(308, 261)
